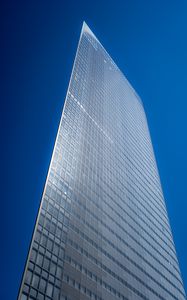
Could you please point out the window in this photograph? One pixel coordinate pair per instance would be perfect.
(28, 277)
(46, 263)
(42, 285)
(49, 290)
(35, 281)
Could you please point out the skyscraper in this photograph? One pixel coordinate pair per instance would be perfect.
(102, 230)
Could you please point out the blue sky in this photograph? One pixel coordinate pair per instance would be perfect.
(147, 40)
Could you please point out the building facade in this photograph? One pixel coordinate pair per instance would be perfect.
(102, 230)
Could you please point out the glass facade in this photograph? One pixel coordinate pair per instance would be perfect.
(102, 230)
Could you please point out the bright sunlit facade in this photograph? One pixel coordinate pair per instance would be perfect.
(102, 231)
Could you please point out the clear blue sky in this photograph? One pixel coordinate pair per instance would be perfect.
(147, 40)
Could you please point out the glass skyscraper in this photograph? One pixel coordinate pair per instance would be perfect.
(102, 230)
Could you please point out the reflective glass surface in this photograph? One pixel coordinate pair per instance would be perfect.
(102, 231)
